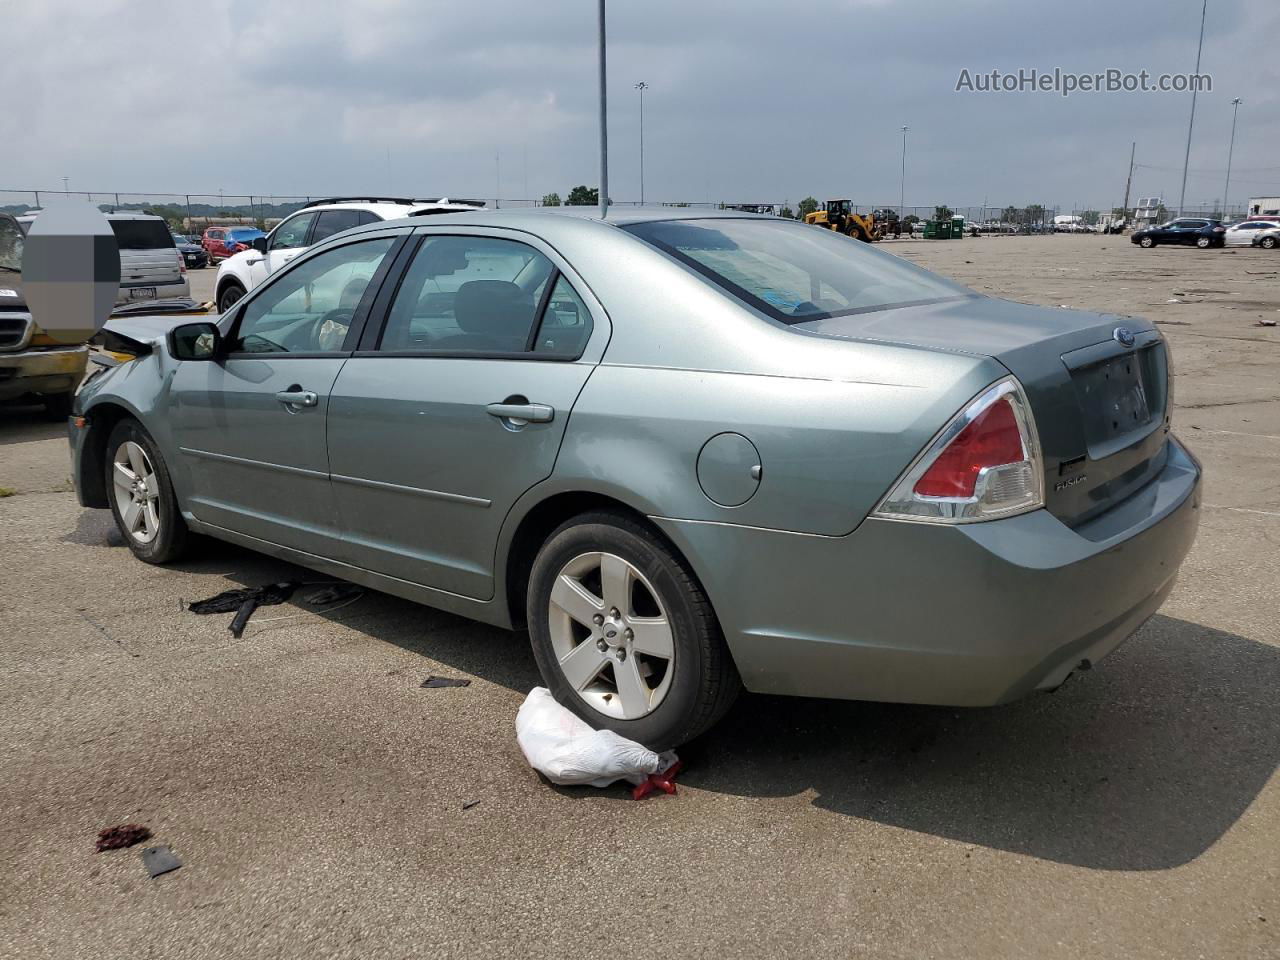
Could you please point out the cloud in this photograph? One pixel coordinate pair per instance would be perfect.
(748, 100)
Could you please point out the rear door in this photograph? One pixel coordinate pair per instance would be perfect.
(458, 404)
(149, 258)
(251, 427)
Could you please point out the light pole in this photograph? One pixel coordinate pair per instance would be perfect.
(1195, 88)
(642, 87)
(65, 187)
(604, 132)
(902, 186)
(1235, 109)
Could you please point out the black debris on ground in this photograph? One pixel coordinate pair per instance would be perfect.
(444, 682)
(160, 860)
(336, 593)
(125, 835)
(244, 601)
(469, 804)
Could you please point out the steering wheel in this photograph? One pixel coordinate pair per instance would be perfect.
(331, 329)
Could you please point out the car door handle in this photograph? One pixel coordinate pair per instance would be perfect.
(527, 412)
(298, 398)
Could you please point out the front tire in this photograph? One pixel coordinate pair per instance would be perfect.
(624, 635)
(1146, 243)
(1267, 243)
(141, 495)
(229, 296)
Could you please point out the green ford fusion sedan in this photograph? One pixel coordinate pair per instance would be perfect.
(689, 452)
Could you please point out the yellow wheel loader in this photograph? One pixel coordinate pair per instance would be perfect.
(838, 215)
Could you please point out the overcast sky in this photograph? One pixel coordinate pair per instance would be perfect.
(747, 100)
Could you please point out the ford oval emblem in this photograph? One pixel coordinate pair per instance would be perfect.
(1124, 336)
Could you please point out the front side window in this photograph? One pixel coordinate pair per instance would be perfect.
(309, 308)
(793, 272)
(468, 295)
(11, 244)
(292, 233)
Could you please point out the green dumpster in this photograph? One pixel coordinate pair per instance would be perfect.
(931, 230)
(957, 227)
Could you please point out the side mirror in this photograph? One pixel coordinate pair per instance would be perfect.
(260, 244)
(195, 341)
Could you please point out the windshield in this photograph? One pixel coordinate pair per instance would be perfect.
(795, 272)
(141, 234)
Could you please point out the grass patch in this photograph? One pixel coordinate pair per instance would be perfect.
(7, 491)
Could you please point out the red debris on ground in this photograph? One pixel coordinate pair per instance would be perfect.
(664, 781)
(125, 835)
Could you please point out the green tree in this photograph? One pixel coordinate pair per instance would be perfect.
(942, 213)
(1091, 217)
(807, 206)
(583, 196)
(551, 200)
(1035, 214)
(787, 213)
(1011, 215)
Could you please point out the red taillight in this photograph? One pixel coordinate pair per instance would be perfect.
(991, 440)
(182, 262)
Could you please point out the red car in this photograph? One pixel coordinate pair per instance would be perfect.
(223, 242)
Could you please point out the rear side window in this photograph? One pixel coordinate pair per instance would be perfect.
(330, 222)
(245, 235)
(141, 234)
(478, 295)
(794, 272)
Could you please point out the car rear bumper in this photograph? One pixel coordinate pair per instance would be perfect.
(52, 371)
(967, 615)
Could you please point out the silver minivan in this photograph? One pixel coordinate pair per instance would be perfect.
(151, 268)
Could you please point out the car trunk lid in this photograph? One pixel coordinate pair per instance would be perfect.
(1098, 385)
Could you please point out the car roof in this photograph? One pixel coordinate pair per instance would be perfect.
(126, 215)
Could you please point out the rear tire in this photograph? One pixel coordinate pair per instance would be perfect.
(1204, 243)
(141, 495)
(229, 295)
(608, 565)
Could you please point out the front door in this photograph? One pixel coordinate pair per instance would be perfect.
(251, 426)
(285, 242)
(458, 408)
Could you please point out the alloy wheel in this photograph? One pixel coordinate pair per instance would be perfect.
(137, 492)
(611, 635)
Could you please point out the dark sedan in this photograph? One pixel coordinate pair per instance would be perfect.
(193, 255)
(1192, 231)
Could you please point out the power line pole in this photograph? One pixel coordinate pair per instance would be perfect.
(902, 185)
(1235, 109)
(1186, 160)
(1133, 149)
(642, 87)
(604, 133)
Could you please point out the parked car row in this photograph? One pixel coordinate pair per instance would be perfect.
(1205, 233)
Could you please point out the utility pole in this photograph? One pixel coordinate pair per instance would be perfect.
(1133, 149)
(642, 87)
(604, 132)
(497, 180)
(1186, 160)
(902, 186)
(1235, 109)
(65, 187)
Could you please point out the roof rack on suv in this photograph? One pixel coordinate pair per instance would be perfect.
(407, 201)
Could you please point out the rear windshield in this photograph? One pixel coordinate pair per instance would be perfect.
(795, 272)
(141, 234)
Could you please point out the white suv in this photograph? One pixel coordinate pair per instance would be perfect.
(316, 221)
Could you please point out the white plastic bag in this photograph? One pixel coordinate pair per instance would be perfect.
(564, 748)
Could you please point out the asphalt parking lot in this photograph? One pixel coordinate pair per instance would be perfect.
(325, 805)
